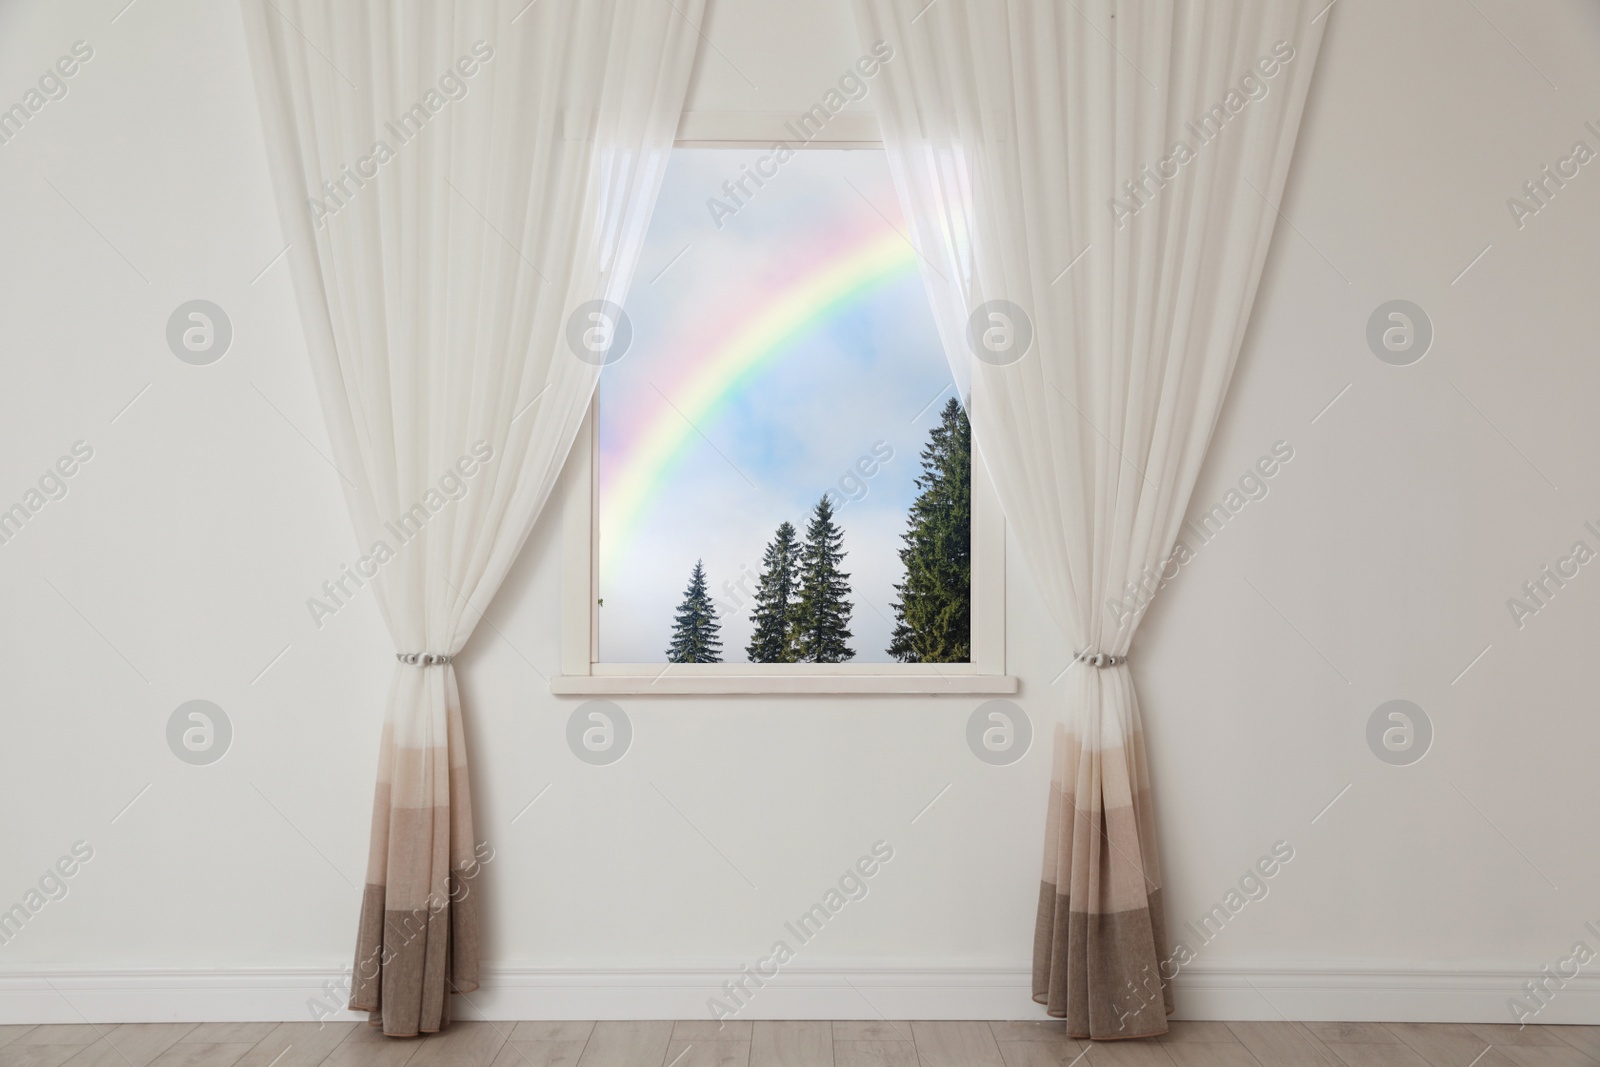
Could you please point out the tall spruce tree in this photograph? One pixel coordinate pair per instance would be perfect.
(823, 614)
(695, 631)
(933, 622)
(776, 596)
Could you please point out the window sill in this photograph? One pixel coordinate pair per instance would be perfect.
(671, 682)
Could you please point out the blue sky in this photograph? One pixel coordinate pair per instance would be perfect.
(872, 377)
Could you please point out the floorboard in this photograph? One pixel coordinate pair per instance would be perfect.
(842, 1043)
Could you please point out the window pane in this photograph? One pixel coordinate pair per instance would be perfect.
(783, 350)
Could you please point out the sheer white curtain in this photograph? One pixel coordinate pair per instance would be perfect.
(1109, 171)
(458, 181)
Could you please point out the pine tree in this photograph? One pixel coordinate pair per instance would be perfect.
(933, 614)
(776, 592)
(695, 632)
(823, 613)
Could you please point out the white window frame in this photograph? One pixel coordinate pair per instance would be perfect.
(581, 672)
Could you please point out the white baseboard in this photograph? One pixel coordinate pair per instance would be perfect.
(1268, 992)
(1375, 994)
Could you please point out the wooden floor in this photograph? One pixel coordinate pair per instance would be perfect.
(797, 1044)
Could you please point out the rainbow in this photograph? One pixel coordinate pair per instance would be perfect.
(715, 373)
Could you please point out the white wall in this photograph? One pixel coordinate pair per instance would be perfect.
(178, 565)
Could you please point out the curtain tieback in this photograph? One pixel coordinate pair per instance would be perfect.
(424, 659)
(1099, 659)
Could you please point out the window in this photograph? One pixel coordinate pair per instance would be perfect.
(783, 382)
